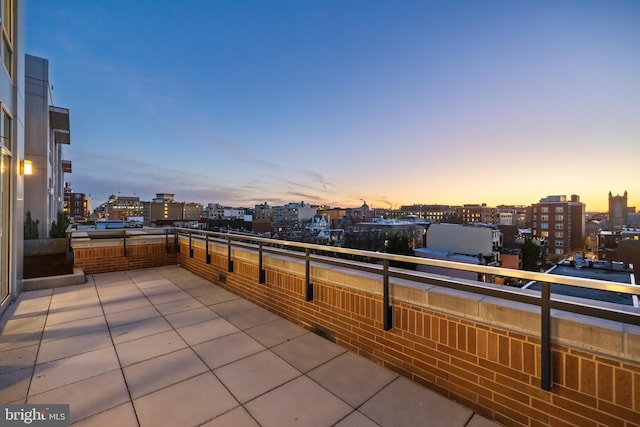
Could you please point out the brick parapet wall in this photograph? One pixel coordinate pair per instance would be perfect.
(492, 368)
(106, 256)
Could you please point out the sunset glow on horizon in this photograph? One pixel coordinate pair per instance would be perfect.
(395, 103)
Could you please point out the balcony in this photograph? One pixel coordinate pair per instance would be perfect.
(250, 330)
(59, 123)
(66, 166)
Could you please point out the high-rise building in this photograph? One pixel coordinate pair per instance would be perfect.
(561, 222)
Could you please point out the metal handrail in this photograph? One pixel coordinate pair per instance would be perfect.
(497, 271)
(544, 300)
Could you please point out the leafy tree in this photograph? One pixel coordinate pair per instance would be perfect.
(399, 244)
(531, 255)
(30, 227)
(59, 226)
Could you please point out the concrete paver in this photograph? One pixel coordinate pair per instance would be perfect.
(164, 347)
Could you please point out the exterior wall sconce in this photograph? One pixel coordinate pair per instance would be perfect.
(27, 167)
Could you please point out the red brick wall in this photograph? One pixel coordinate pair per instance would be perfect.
(103, 259)
(491, 370)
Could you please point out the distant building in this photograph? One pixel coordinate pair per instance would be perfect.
(447, 256)
(119, 208)
(511, 215)
(263, 212)
(46, 132)
(461, 243)
(333, 215)
(75, 204)
(292, 215)
(618, 211)
(589, 269)
(164, 210)
(511, 258)
(374, 235)
(484, 243)
(439, 213)
(561, 222)
(262, 218)
(471, 213)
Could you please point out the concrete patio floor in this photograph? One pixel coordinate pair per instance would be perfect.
(164, 347)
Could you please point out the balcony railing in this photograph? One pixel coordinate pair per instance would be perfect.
(380, 264)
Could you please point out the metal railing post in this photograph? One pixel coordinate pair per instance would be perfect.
(176, 240)
(190, 246)
(308, 288)
(124, 242)
(261, 272)
(166, 240)
(546, 380)
(206, 249)
(387, 310)
(229, 260)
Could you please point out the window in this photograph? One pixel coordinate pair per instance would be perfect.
(559, 243)
(559, 252)
(559, 234)
(559, 209)
(544, 225)
(544, 209)
(7, 35)
(544, 217)
(535, 217)
(544, 234)
(559, 226)
(5, 130)
(6, 55)
(559, 217)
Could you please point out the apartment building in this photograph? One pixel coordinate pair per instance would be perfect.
(163, 210)
(119, 208)
(561, 222)
(47, 131)
(293, 215)
(75, 204)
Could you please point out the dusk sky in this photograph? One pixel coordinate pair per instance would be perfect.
(331, 102)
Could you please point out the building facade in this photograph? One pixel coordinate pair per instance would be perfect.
(13, 163)
(164, 210)
(618, 211)
(119, 208)
(561, 222)
(293, 215)
(47, 130)
(75, 204)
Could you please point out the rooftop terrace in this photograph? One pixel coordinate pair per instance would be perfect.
(164, 347)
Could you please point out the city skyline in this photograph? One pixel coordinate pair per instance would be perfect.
(334, 103)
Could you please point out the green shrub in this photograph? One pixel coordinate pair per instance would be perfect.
(59, 226)
(30, 227)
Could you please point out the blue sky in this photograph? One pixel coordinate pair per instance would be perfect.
(393, 102)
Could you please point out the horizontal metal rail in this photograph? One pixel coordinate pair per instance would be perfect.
(237, 239)
(126, 235)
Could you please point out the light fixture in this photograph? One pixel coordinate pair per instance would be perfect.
(27, 167)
